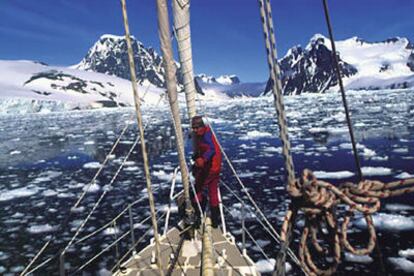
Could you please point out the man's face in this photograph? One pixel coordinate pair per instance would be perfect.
(198, 130)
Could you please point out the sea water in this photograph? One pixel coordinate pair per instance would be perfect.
(48, 160)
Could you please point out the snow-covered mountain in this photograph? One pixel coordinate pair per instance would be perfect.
(102, 77)
(28, 86)
(363, 65)
(311, 69)
(109, 55)
(387, 64)
(223, 80)
(228, 85)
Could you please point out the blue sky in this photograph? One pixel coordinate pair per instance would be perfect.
(227, 35)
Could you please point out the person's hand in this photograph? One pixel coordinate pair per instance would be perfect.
(199, 162)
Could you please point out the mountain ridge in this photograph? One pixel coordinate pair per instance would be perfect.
(306, 69)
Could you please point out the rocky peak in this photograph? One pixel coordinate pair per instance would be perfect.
(109, 55)
(311, 69)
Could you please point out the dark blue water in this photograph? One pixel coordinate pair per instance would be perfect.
(47, 159)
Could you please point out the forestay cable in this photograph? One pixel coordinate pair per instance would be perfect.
(137, 102)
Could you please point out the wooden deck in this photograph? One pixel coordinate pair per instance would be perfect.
(227, 258)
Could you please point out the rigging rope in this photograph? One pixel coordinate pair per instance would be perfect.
(275, 76)
(96, 205)
(141, 133)
(274, 233)
(318, 199)
(341, 86)
(101, 197)
(109, 223)
(107, 158)
(348, 118)
(117, 240)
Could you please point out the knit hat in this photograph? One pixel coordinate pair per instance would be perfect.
(197, 121)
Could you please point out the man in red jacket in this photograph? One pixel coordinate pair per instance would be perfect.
(207, 166)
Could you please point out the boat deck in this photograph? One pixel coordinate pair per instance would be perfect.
(227, 259)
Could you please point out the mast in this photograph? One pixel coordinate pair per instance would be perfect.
(170, 70)
(181, 12)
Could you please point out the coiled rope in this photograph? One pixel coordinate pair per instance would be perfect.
(318, 200)
(348, 117)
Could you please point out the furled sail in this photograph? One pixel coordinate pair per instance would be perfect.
(181, 12)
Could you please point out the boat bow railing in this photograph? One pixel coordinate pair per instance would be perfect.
(173, 197)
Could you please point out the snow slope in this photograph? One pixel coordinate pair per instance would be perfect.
(380, 65)
(28, 86)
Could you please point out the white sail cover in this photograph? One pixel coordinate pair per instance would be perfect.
(181, 11)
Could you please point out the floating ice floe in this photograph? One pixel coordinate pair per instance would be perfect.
(132, 169)
(333, 175)
(255, 134)
(111, 231)
(78, 209)
(45, 228)
(92, 165)
(246, 174)
(370, 171)
(400, 150)
(267, 266)
(4, 256)
(17, 193)
(337, 130)
(216, 120)
(379, 158)
(91, 188)
(89, 143)
(65, 195)
(408, 253)
(398, 207)
(162, 175)
(349, 257)
(243, 160)
(17, 269)
(368, 153)
(129, 163)
(402, 264)
(104, 272)
(141, 226)
(388, 222)
(47, 176)
(349, 146)
(404, 175)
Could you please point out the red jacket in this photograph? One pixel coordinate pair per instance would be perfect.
(206, 146)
